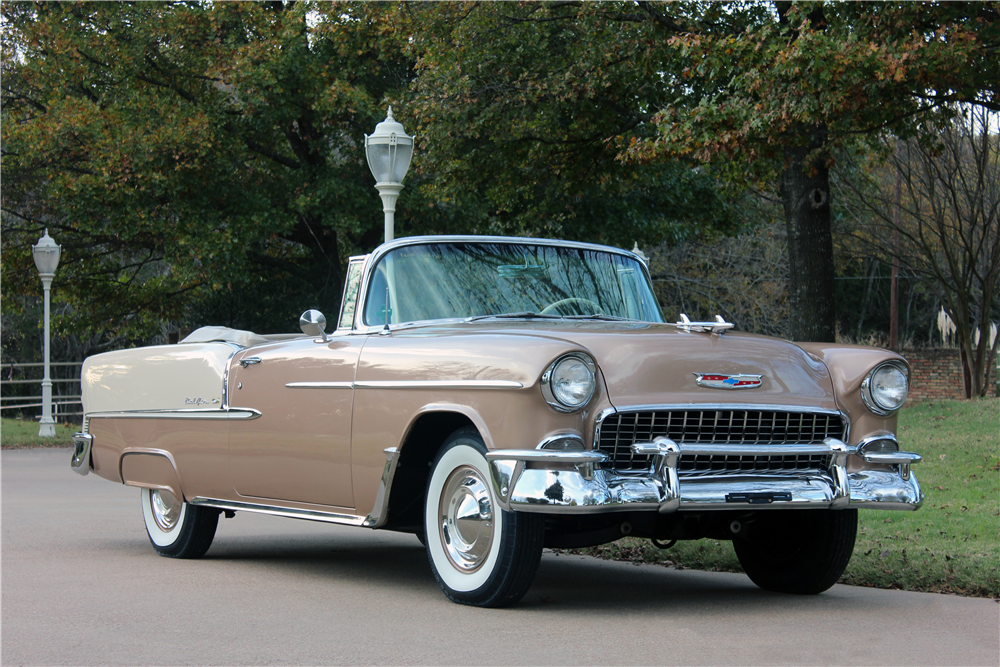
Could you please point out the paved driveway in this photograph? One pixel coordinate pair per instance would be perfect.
(81, 585)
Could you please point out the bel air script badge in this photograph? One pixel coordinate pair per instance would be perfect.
(721, 381)
(198, 401)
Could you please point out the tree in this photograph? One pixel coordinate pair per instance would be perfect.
(518, 106)
(191, 154)
(772, 96)
(743, 278)
(948, 224)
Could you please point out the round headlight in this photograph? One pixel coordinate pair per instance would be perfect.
(885, 388)
(569, 383)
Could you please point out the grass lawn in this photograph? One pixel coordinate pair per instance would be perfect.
(950, 545)
(18, 434)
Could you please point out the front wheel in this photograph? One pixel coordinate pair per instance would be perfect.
(480, 554)
(798, 551)
(175, 528)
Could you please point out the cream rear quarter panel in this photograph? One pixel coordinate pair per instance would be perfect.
(162, 377)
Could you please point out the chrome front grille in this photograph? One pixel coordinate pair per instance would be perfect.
(617, 433)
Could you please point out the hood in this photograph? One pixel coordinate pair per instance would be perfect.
(657, 364)
(661, 365)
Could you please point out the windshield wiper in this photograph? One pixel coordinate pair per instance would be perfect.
(526, 314)
(597, 316)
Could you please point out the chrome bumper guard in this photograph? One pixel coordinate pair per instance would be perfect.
(574, 483)
(80, 462)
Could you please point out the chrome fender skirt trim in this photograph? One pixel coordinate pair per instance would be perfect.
(292, 513)
(567, 484)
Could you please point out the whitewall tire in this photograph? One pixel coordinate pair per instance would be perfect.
(177, 529)
(480, 554)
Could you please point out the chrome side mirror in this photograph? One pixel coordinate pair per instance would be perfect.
(313, 323)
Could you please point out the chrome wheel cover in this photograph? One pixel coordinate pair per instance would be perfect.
(466, 519)
(166, 509)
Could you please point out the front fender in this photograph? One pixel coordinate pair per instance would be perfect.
(848, 366)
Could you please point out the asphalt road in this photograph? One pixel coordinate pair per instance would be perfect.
(81, 585)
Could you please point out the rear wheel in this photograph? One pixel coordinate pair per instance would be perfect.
(480, 554)
(798, 551)
(175, 528)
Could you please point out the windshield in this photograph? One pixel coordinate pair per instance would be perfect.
(462, 280)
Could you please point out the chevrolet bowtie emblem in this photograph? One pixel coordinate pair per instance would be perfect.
(723, 381)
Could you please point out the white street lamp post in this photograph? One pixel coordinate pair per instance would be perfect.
(46, 254)
(389, 150)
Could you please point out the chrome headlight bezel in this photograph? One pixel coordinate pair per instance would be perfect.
(869, 392)
(550, 378)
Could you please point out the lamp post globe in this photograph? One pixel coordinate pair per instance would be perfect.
(46, 255)
(389, 151)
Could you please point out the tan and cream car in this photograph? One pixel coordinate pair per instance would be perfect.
(495, 396)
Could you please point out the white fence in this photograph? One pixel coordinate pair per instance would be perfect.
(67, 404)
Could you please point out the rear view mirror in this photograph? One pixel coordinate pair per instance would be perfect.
(313, 323)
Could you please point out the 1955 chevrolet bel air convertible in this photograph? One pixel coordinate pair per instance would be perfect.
(498, 395)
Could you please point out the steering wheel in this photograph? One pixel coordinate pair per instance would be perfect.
(578, 305)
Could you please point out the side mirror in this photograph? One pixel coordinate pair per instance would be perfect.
(313, 323)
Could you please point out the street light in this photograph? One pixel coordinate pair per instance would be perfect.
(389, 150)
(46, 254)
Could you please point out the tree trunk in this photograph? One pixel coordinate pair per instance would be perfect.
(805, 194)
(967, 383)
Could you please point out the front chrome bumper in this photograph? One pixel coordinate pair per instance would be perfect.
(573, 482)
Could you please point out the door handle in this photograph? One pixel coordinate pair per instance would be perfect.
(249, 361)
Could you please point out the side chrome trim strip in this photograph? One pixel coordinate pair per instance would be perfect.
(409, 384)
(180, 413)
(438, 384)
(309, 515)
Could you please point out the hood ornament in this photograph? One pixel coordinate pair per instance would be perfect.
(724, 381)
(719, 326)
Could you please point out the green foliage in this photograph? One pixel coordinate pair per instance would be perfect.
(950, 545)
(848, 69)
(190, 151)
(519, 107)
(203, 160)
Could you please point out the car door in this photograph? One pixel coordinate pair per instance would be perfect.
(299, 449)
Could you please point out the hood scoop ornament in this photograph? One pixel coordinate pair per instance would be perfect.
(719, 326)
